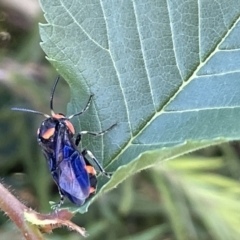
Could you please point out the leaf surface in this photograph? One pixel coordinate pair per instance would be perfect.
(168, 72)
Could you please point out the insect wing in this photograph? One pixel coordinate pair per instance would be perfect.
(73, 179)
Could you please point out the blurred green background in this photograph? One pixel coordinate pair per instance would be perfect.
(194, 197)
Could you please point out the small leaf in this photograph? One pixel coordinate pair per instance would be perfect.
(167, 72)
(47, 222)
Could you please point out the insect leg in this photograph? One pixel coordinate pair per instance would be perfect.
(98, 133)
(78, 139)
(79, 135)
(87, 152)
(56, 206)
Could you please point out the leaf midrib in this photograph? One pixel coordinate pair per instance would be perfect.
(184, 83)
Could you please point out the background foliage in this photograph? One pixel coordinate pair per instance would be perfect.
(195, 197)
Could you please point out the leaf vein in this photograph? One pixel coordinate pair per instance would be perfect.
(117, 73)
(143, 53)
(174, 50)
(79, 25)
(202, 109)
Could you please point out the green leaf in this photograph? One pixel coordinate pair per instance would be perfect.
(167, 72)
(155, 232)
(200, 194)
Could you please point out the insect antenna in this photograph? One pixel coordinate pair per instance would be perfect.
(52, 94)
(30, 111)
(85, 108)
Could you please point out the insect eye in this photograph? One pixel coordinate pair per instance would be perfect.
(49, 133)
(70, 126)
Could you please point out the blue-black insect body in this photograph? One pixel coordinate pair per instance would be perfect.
(70, 168)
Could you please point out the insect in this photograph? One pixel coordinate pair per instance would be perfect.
(71, 170)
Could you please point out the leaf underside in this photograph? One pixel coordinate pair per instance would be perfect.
(167, 72)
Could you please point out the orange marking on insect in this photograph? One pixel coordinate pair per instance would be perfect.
(90, 170)
(49, 133)
(92, 190)
(70, 126)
